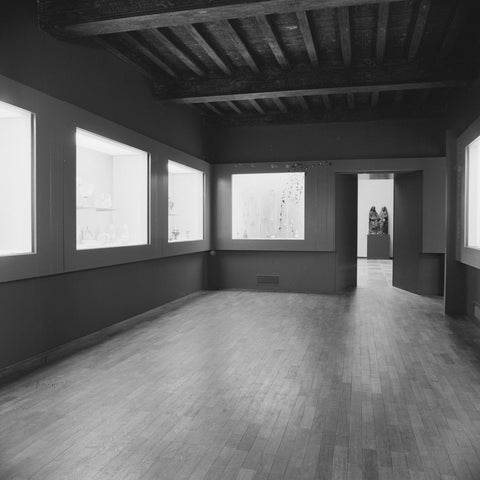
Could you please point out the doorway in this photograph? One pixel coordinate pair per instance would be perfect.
(375, 229)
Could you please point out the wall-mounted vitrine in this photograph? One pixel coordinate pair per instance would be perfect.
(112, 193)
(472, 194)
(17, 168)
(268, 206)
(185, 203)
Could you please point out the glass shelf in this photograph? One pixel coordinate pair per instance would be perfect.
(98, 209)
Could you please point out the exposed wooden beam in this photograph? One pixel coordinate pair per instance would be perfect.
(382, 29)
(303, 103)
(304, 24)
(272, 40)
(257, 107)
(233, 107)
(345, 36)
(123, 57)
(353, 89)
(156, 37)
(73, 18)
(146, 52)
(375, 97)
(454, 28)
(209, 50)
(279, 104)
(419, 28)
(213, 108)
(242, 48)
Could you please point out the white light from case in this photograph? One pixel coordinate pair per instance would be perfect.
(100, 144)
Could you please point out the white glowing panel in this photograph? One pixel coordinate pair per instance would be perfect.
(473, 194)
(112, 193)
(16, 180)
(185, 203)
(268, 206)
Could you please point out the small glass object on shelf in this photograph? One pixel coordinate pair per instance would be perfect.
(268, 206)
(16, 180)
(112, 193)
(185, 203)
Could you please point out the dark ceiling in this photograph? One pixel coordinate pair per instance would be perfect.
(276, 61)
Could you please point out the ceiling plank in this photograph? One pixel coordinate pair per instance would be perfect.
(123, 57)
(280, 105)
(326, 102)
(353, 89)
(419, 28)
(303, 103)
(213, 109)
(148, 53)
(155, 36)
(382, 29)
(233, 107)
(375, 97)
(272, 40)
(257, 107)
(304, 24)
(209, 50)
(345, 35)
(454, 29)
(242, 48)
(351, 101)
(73, 18)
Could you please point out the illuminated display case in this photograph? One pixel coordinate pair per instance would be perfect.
(472, 183)
(185, 203)
(112, 193)
(268, 206)
(16, 180)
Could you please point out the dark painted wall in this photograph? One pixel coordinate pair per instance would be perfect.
(39, 314)
(387, 139)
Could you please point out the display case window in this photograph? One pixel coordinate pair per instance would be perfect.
(112, 193)
(268, 206)
(16, 180)
(473, 194)
(185, 203)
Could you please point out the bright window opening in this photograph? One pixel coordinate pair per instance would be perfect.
(268, 206)
(472, 156)
(16, 180)
(112, 193)
(185, 203)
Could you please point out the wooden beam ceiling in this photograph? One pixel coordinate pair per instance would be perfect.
(349, 90)
(382, 28)
(272, 40)
(304, 24)
(67, 17)
(419, 28)
(240, 45)
(345, 36)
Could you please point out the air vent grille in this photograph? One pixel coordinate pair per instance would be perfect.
(268, 279)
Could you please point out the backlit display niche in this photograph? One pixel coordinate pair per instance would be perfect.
(268, 206)
(185, 203)
(16, 180)
(112, 193)
(473, 194)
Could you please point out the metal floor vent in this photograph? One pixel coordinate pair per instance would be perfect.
(268, 279)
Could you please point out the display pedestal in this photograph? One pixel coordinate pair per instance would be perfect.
(378, 246)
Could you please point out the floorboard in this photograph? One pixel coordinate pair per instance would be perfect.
(374, 384)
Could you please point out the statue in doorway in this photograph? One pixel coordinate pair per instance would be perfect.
(384, 221)
(373, 222)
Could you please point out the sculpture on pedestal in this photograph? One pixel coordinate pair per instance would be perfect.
(384, 221)
(373, 222)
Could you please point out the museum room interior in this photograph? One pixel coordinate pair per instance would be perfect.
(239, 239)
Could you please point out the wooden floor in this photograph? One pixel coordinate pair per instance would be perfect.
(243, 385)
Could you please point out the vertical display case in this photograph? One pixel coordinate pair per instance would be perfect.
(112, 193)
(185, 203)
(16, 180)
